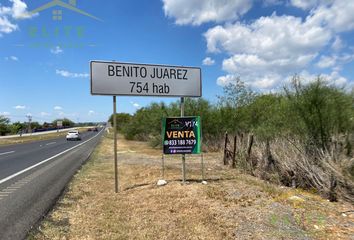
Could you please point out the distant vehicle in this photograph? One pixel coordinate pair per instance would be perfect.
(89, 130)
(95, 129)
(73, 135)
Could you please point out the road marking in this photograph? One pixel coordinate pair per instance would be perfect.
(46, 160)
(7, 191)
(50, 143)
(6, 153)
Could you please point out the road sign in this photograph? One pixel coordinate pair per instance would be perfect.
(181, 135)
(133, 79)
(60, 124)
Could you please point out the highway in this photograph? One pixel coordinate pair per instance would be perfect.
(33, 176)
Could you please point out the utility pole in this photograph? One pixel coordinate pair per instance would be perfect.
(29, 122)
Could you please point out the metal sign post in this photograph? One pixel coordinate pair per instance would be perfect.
(183, 155)
(115, 143)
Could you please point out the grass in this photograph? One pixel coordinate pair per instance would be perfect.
(27, 139)
(231, 206)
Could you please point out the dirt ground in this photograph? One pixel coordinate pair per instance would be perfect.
(231, 205)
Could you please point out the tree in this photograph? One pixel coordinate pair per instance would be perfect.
(17, 126)
(323, 111)
(267, 116)
(233, 106)
(122, 120)
(236, 95)
(4, 125)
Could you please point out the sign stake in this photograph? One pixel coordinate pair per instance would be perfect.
(183, 155)
(115, 143)
(202, 163)
(163, 166)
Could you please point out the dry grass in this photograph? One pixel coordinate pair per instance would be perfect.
(27, 139)
(231, 206)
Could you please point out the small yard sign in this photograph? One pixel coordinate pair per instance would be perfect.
(181, 135)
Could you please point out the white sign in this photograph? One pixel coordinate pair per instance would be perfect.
(114, 78)
(59, 123)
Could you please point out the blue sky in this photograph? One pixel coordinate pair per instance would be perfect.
(44, 62)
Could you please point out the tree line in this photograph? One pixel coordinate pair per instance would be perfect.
(314, 112)
(6, 127)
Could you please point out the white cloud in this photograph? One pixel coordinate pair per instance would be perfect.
(196, 12)
(265, 51)
(273, 37)
(208, 61)
(91, 112)
(57, 50)
(338, 17)
(326, 62)
(136, 105)
(44, 114)
(68, 74)
(334, 78)
(17, 11)
(12, 58)
(226, 80)
(5, 113)
(335, 60)
(58, 108)
(308, 4)
(337, 44)
(266, 82)
(20, 107)
(6, 26)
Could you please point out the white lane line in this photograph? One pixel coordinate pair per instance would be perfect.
(7, 191)
(50, 143)
(48, 159)
(6, 153)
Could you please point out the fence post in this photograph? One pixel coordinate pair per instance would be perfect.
(332, 189)
(250, 143)
(234, 153)
(225, 148)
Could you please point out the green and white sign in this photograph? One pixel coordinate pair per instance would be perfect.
(181, 135)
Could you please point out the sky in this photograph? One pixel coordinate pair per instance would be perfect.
(45, 55)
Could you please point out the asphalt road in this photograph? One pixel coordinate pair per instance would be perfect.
(32, 177)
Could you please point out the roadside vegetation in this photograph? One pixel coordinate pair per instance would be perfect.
(233, 205)
(8, 128)
(301, 136)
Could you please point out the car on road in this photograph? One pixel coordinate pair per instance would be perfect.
(73, 135)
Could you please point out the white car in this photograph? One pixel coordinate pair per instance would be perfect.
(73, 135)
